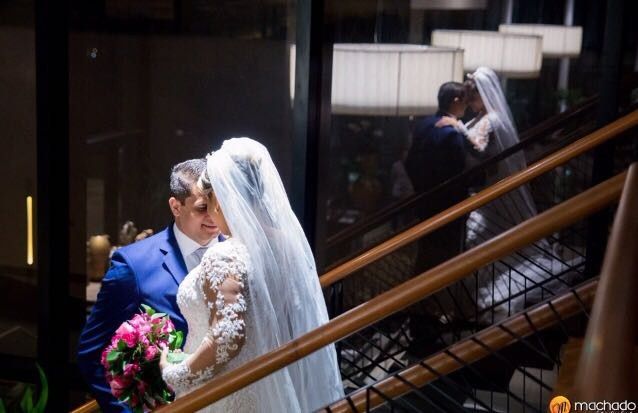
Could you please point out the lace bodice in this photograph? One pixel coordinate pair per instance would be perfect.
(212, 300)
(478, 132)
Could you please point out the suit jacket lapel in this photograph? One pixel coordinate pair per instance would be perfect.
(173, 260)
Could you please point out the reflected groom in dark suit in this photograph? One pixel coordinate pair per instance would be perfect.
(148, 272)
(437, 154)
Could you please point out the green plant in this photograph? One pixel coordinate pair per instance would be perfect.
(27, 404)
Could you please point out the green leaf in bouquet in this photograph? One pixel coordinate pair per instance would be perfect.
(121, 345)
(176, 357)
(126, 395)
(26, 404)
(113, 356)
(158, 315)
(147, 309)
(175, 340)
(2, 408)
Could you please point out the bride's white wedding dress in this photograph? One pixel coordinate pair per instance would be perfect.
(254, 292)
(521, 277)
(527, 268)
(194, 298)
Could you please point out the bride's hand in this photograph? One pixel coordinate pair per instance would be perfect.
(164, 359)
(446, 121)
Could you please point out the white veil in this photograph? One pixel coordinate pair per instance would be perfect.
(284, 294)
(498, 112)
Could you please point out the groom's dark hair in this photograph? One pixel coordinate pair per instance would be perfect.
(183, 176)
(448, 92)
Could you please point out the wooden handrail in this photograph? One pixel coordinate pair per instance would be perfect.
(88, 407)
(469, 350)
(527, 138)
(487, 195)
(607, 368)
(403, 295)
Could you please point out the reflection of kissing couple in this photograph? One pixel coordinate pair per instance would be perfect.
(443, 146)
(238, 299)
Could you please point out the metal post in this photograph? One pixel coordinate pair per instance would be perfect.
(607, 111)
(313, 76)
(508, 11)
(563, 74)
(52, 203)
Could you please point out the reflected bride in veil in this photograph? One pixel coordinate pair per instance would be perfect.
(254, 292)
(489, 133)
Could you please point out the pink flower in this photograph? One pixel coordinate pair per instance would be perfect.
(134, 401)
(150, 353)
(167, 327)
(131, 369)
(127, 333)
(119, 384)
(143, 339)
(141, 323)
(105, 353)
(142, 387)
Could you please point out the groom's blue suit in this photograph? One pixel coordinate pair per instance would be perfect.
(146, 272)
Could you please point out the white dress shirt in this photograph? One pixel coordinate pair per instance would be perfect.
(189, 247)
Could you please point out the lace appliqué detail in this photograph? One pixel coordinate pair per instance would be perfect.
(176, 376)
(478, 134)
(226, 330)
(229, 330)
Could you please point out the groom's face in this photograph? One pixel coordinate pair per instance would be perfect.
(192, 217)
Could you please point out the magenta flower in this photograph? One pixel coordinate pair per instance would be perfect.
(150, 353)
(131, 359)
(127, 333)
(131, 369)
(142, 387)
(103, 361)
(119, 384)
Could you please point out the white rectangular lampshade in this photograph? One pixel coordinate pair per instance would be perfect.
(448, 4)
(558, 41)
(512, 55)
(389, 79)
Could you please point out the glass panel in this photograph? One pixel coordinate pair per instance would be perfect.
(152, 84)
(18, 260)
(192, 76)
(554, 69)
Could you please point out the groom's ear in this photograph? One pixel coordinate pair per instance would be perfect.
(174, 204)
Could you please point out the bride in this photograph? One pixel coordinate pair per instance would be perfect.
(253, 292)
(489, 133)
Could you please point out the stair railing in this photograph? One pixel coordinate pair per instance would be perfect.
(403, 295)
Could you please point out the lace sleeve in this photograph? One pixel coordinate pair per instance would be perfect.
(479, 134)
(222, 280)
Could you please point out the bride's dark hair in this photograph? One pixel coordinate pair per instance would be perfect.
(203, 183)
(471, 90)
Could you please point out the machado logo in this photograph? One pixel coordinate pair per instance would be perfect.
(560, 404)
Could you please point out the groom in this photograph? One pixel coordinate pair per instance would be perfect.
(148, 272)
(437, 154)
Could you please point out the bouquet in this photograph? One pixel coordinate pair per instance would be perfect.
(131, 360)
